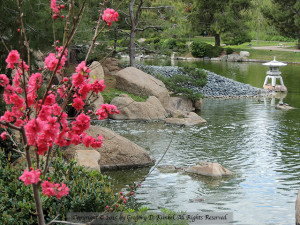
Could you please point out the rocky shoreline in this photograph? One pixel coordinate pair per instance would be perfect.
(216, 87)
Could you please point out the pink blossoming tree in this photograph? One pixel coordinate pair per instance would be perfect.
(42, 122)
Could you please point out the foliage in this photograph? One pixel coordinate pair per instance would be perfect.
(229, 51)
(181, 84)
(235, 38)
(110, 93)
(89, 192)
(202, 49)
(284, 15)
(217, 17)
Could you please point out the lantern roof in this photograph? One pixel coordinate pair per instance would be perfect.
(274, 63)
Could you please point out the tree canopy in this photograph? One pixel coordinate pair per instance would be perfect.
(284, 15)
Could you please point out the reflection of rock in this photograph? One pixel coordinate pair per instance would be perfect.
(284, 106)
(277, 88)
(209, 169)
(189, 119)
(139, 83)
(152, 109)
(90, 159)
(182, 104)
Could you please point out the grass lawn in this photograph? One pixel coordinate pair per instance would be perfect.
(260, 53)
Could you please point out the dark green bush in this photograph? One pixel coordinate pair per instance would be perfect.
(89, 192)
(236, 39)
(229, 51)
(202, 49)
(181, 84)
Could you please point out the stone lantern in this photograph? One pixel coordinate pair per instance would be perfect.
(273, 74)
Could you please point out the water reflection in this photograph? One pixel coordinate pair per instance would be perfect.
(259, 143)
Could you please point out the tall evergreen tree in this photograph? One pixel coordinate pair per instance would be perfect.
(285, 16)
(217, 17)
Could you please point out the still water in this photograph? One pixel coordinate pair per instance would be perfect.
(259, 143)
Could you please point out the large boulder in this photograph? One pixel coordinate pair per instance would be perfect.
(90, 159)
(111, 66)
(186, 119)
(96, 72)
(152, 109)
(209, 169)
(182, 104)
(139, 83)
(117, 152)
(244, 54)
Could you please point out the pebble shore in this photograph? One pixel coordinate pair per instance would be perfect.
(216, 87)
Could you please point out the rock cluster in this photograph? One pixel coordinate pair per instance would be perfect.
(217, 86)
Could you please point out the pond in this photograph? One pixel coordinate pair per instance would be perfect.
(259, 143)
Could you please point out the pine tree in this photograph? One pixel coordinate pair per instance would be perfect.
(284, 15)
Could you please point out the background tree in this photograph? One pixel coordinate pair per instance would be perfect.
(285, 16)
(218, 17)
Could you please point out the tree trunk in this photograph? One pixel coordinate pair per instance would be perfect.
(132, 47)
(132, 34)
(217, 40)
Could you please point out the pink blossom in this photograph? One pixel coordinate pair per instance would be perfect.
(34, 81)
(88, 140)
(81, 123)
(51, 61)
(8, 92)
(3, 135)
(105, 110)
(62, 91)
(82, 68)
(54, 7)
(50, 99)
(84, 89)
(62, 190)
(48, 188)
(8, 116)
(77, 79)
(3, 80)
(110, 15)
(98, 86)
(17, 77)
(78, 104)
(33, 128)
(23, 65)
(30, 177)
(13, 57)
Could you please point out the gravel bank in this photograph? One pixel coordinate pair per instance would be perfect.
(216, 87)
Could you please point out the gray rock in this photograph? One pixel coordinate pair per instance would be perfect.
(152, 109)
(209, 169)
(139, 83)
(190, 119)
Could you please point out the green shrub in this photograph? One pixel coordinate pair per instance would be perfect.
(202, 49)
(180, 84)
(236, 39)
(89, 192)
(229, 51)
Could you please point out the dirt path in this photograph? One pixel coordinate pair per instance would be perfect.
(276, 48)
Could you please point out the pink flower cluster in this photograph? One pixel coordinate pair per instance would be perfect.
(56, 9)
(53, 189)
(105, 110)
(3, 135)
(30, 177)
(110, 15)
(51, 60)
